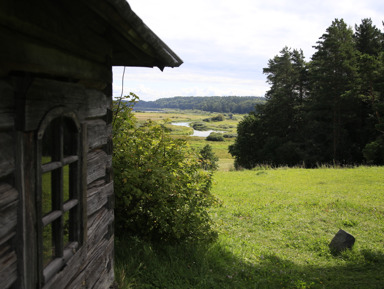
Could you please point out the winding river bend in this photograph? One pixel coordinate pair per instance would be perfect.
(199, 133)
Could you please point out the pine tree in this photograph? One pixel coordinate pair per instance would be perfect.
(334, 101)
(369, 42)
(369, 39)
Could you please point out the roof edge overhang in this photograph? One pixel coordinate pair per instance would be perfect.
(162, 55)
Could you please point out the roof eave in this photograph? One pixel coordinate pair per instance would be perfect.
(163, 55)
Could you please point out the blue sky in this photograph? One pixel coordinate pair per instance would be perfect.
(226, 44)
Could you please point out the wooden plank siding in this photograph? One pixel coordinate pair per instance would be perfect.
(99, 133)
(7, 107)
(8, 222)
(9, 197)
(7, 156)
(45, 94)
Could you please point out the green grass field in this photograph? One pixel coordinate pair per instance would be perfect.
(274, 228)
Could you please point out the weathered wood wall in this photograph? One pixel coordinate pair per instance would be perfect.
(92, 264)
(8, 194)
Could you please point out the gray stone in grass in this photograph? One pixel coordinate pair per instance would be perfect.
(342, 241)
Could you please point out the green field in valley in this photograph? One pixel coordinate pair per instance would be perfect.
(229, 126)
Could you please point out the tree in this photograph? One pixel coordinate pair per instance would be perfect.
(330, 110)
(334, 100)
(162, 194)
(208, 159)
(287, 75)
(369, 39)
(271, 135)
(369, 42)
(250, 138)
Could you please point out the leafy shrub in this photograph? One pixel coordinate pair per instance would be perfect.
(162, 194)
(230, 135)
(199, 126)
(215, 136)
(374, 152)
(218, 117)
(208, 159)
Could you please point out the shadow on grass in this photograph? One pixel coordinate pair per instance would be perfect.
(143, 265)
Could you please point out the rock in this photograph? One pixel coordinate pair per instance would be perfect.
(341, 242)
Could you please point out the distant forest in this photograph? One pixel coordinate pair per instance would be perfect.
(222, 104)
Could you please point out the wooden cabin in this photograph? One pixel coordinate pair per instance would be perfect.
(56, 186)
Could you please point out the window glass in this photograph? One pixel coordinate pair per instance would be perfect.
(66, 183)
(66, 229)
(46, 193)
(69, 142)
(48, 245)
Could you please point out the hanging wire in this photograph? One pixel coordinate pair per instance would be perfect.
(122, 83)
(120, 98)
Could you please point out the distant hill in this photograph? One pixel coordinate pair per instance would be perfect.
(221, 104)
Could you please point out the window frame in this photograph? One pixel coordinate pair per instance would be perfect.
(74, 205)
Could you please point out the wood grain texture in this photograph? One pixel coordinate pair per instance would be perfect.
(8, 219)
(98, 133)
(96, 165)
(8, 194)
(44, 95)
(8, 267)
(7, 106)
(98, 197)
(7, 156)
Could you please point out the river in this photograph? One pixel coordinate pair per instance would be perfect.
(199, 133)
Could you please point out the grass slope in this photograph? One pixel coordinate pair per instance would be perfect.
(274, 229)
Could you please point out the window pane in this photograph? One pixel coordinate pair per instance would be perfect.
(66, 228)
(46, 193)
(70, 137)
(56, 188)
(50, 143)
(48, 245)
(66, 183)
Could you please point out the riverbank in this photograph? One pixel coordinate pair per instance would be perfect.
(198, 133)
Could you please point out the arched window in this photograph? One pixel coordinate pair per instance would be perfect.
(59, 196)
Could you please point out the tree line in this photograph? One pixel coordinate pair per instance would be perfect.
(224, 104)
(329, 110)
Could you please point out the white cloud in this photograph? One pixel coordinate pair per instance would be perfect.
(225, 45)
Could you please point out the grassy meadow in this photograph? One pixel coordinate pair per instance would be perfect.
(274, 227)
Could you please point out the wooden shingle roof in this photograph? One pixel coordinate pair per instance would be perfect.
(79, 39)
(130, 26)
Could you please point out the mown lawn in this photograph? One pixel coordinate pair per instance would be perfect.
(274, 227)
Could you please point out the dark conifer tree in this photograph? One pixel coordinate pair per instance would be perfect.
(334, 98)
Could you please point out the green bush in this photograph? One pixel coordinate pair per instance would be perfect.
(215, 136)
(218, 117)
(374, 152)
(199, 126)
(162, 194)
(208, 159)
(230, 135)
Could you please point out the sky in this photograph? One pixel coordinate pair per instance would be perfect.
(226, 44)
